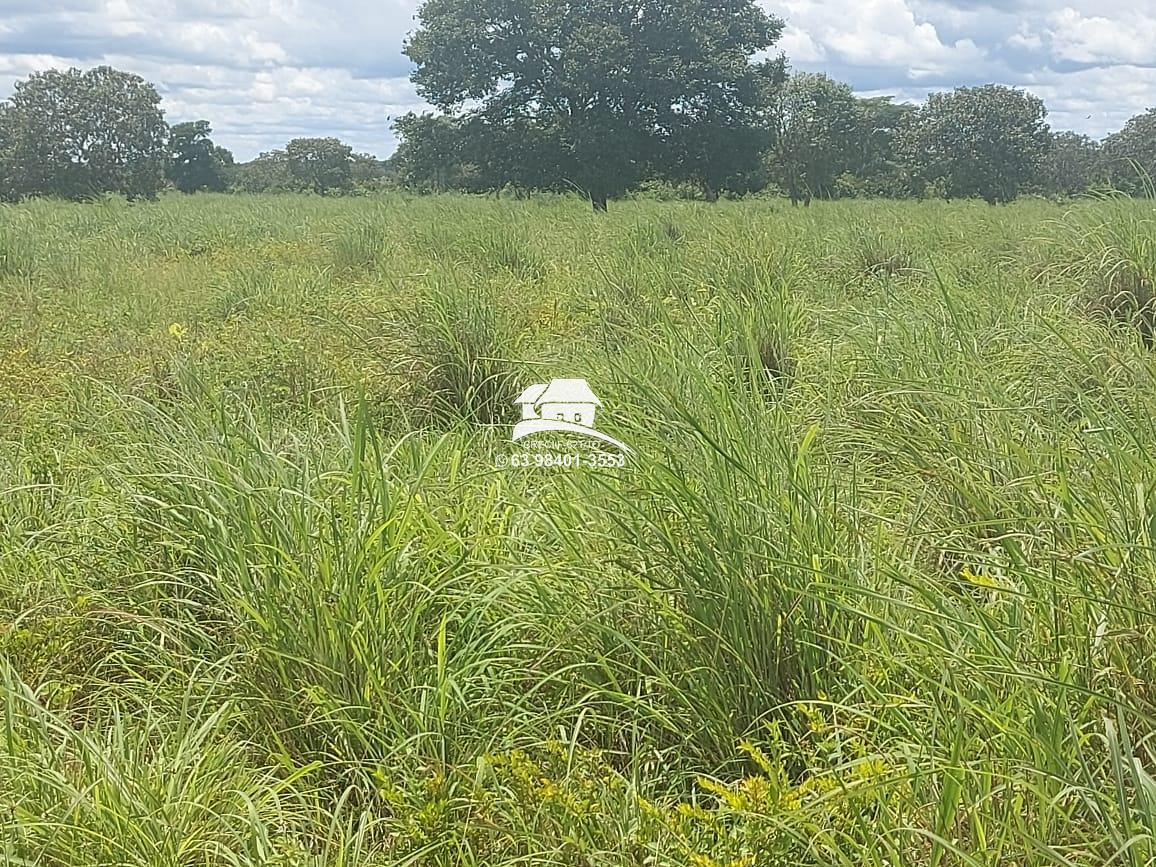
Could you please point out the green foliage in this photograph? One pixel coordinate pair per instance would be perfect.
(322, 165)
(371, 174)
(431, 156)
(195, 163)
(77, 134)
(663, 107)
(1130, 154)
(817, 123)
(985, 142)
(319, 165)
(872, 588)
(610, 92)
(874, 166)
(268, 173)
(1074, 164)
(716, 137)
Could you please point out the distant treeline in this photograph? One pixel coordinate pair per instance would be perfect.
(78, 134)
(987, 142)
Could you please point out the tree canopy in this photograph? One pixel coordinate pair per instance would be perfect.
(195, 163)
(323, 165)
(1130, 154)
(816, 124)
(988, 142)
(318, 165)
(1073, 164)
(873, 165)
(613, 89)
(77, 134)
(600, 98)
(431, 154)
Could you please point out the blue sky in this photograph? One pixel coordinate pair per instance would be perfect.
(265, 71)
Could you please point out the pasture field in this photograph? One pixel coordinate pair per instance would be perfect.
(877, 586)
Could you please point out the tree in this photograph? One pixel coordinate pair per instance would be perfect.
(511, 152)
(429, 157)
(195, 163)
(1073, 164)
(8, 180)
(874, 166)
(268, 173)
(473, 153)
(606, 85)
(1130, 154)
(816, 121)
(718, 139)
(368, 172)
(77, 134)
(987, 142)
(322, 165)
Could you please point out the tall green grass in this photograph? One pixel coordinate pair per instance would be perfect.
(876, 585)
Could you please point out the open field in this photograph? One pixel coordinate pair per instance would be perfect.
(877, 586)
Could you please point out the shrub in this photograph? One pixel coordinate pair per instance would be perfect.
(1111, 255)
(358, 248)
(462, 362)
(872, 257)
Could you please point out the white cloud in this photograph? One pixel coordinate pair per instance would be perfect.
(1024, 38)
(264, 71)
(800, 47)
(261, 71)
(1131, 38)
(1092, 61)
(1097, 100)
(875, 33)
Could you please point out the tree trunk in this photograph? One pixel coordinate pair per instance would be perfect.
(598, 200)
(709, 192)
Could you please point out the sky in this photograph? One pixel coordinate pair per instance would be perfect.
(265, 71)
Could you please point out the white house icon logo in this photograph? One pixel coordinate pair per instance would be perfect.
(565, 405)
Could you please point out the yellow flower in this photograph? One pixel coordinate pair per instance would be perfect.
(979, 580)
(177, 330)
